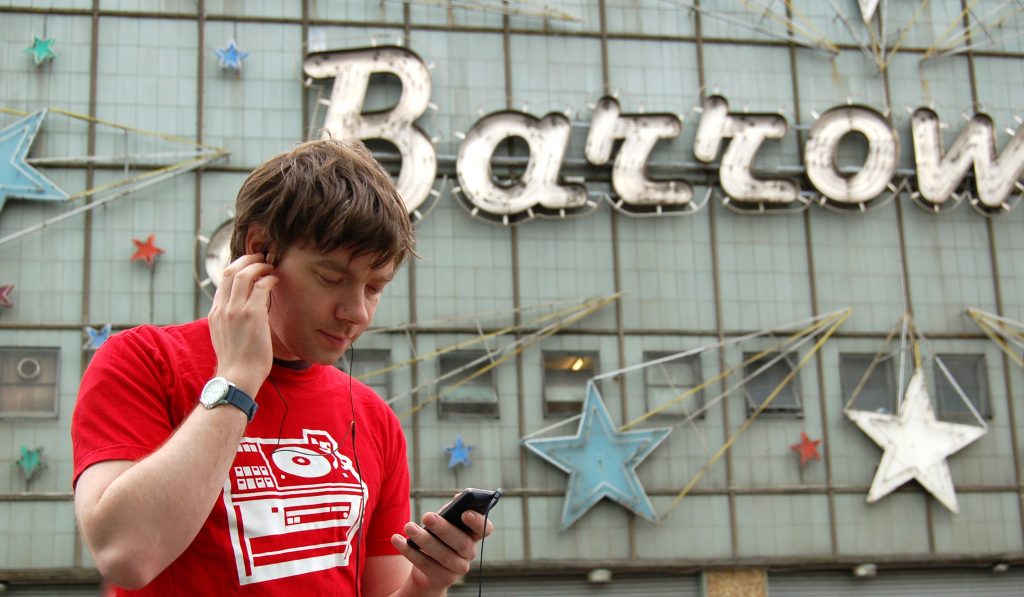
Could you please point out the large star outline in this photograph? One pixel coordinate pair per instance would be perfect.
(601, 461)
(916, 445)
(17, 177)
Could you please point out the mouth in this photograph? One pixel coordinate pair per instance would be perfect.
(335, 341)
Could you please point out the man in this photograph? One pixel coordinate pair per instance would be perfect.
(183, 488)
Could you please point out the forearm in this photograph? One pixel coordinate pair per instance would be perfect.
(146, 517)
(410, 589)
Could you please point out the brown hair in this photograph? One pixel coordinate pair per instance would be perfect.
(328, 194)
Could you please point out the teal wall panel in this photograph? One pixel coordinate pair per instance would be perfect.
(949, 266)
(857, 265)
(648, 17)
(762, 271)
(697, 528)
(62, 82)
(254, 130)
(777, 525)
(468, 82)
(987, 522)
(36, 534)
(894, 525)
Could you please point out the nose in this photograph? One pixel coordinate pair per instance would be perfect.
(354, 308)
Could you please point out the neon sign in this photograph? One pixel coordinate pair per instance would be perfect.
(541, 190)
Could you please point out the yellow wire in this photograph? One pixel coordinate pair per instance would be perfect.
(824, 37)
(125, 181)
(791, 23)
(480, 338)
(750, 420)
(560, 325)
(983, 322)
(952, 25)
(916, 345)
(803, 332)
(899, 40)
(164, 136)
(963, 35)
(219, 151)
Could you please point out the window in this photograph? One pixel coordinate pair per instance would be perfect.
(368, 367)
(877, 391)
(969, 372)
(565, 380)
(28, 382)
(665, 381)
(762, 383)
(465, 390)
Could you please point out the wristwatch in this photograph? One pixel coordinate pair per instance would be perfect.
(219, 391)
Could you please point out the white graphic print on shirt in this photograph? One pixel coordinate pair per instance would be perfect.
(294, 506)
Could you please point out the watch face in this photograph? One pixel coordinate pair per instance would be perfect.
(214, 391)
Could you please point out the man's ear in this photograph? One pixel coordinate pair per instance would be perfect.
(256, 241)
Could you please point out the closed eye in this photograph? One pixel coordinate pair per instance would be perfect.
(329, 280)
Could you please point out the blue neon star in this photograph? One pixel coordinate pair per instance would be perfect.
(601, 462)
(231, 57)
(459, 453)
(96, 336)
(17, 177)
(41, 49)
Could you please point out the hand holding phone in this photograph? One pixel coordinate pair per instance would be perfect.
(477, 500)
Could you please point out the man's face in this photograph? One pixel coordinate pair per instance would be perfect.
(323, 302)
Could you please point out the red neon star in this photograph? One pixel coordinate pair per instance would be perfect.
(5, 295)
(807, 448)
(146, 251)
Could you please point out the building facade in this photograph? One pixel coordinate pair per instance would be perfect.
(746, 225)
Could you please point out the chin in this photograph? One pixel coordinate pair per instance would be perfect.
(328, 357)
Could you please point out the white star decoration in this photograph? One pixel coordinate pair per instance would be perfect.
(867, 9)
(916, 445)
(601, 461)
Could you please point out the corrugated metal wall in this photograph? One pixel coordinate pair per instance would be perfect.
(562, 586)
(938, 583)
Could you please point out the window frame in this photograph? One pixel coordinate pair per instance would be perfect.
(887, 361)
(981, 400)
(25, 352)
(696, 365)
(565, 408)
(454, 407)
(788, 359)
(345, 365)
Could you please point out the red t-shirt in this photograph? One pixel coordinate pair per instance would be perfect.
(286, 522)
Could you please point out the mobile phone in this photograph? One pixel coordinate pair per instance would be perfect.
(477, 500)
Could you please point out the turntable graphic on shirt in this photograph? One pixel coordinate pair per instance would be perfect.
(293, 506)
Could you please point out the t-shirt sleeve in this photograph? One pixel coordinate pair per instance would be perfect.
(123, 407)
(392, 510)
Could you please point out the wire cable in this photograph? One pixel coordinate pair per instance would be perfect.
(359, 472)
(480, 568)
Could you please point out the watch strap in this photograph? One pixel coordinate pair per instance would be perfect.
(243, 401)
